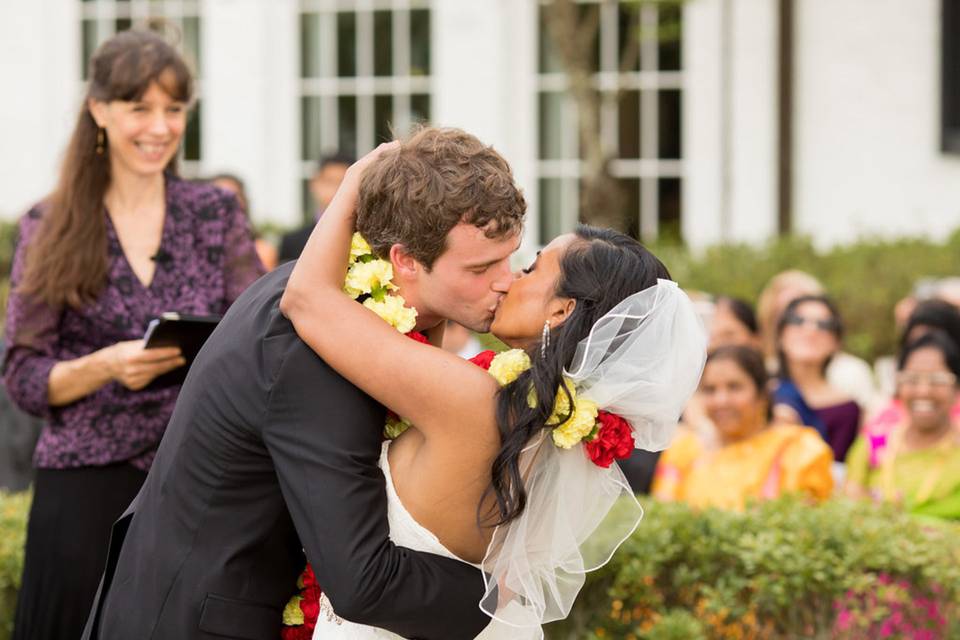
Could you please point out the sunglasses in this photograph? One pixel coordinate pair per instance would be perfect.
(937, 379)
(823, 324)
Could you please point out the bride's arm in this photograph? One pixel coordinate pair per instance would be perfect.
(445, 396)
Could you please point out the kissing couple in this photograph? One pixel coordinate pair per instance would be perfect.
(496, 493)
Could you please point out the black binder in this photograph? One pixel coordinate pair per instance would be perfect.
(188, 332)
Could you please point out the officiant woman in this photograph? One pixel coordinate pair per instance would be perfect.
(120, 240)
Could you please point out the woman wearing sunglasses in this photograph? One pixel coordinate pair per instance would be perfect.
(809, 333)
(918, 463)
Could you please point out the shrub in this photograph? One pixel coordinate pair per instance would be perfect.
(866, 278)
(13, 535)
(781, 569)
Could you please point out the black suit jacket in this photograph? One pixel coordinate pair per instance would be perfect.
(293, 242)
(268, 448)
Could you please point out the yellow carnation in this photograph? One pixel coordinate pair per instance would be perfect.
(508, 365)
(394, 426)
(292, 613)
(393, 311)
(364, 277)
(359, 246)
(579, 425)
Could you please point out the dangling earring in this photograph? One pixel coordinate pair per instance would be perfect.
(545, 339)
(101, 141)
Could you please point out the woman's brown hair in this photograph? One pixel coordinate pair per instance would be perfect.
(66, 263)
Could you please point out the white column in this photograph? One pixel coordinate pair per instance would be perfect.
(729, 120)
(484, 69)
(251, 110)
(40, 68)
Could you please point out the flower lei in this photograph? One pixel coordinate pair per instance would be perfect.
(371, 278)
(607, 436)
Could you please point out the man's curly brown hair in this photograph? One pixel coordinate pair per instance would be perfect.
(436, 179)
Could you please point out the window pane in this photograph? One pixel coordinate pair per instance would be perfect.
(420, 108)
(551, 125)
(549, 57)
(310, 115)
(192, 136)
(89, 37)
(669, 125)
(670, 32)
(383, 118)
(670, 209)
(308, 207)
(309, 45)
(628, 112)
(629, 34)
(382, 43)
(551, 208)
(631, 207)
(346, 44)
(191, 41)
(347, 123)
(420, 42)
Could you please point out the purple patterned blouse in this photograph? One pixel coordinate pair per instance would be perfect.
(206, 259)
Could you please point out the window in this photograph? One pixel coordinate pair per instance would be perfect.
(950, 78)
(101, 19)
(634, 64)
(364, 73)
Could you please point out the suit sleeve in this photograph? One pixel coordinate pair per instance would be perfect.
(324, 436)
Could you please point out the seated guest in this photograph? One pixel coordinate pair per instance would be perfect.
(917, 464)
(232, 183)
(929, 315)
(846, 372)
(733, 322)
(808, 335)
(746, 456)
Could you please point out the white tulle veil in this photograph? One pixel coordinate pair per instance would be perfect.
(641, 361)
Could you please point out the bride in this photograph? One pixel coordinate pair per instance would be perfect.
(515, 479)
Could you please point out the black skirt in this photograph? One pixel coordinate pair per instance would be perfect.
(67, 536)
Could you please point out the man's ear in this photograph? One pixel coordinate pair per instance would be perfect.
(98, 111)
(404, 265)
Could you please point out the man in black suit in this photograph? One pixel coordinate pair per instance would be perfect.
(323, 185)
(269, 451)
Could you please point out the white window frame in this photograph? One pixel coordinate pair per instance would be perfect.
(364, 86)
(649, 80)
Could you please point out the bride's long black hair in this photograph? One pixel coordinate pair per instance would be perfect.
(599, 270)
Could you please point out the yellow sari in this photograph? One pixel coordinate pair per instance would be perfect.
(779, 459)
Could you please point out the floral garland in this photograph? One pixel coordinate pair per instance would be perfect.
(371, 278)
(607, 436)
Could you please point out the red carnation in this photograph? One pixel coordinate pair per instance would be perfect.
(419, 337)
(484, 358)
(614, 440)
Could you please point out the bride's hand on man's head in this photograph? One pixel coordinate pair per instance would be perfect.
(355, 172)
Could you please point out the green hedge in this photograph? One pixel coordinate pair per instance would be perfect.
(866, 278)
(782, 569)
(13, 535)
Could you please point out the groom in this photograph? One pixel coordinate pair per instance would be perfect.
(269, 450)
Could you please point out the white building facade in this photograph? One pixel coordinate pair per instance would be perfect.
(693, 128)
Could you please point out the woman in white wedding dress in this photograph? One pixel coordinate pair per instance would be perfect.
(487, 474)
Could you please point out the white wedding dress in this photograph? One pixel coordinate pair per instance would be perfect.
(405, 532)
